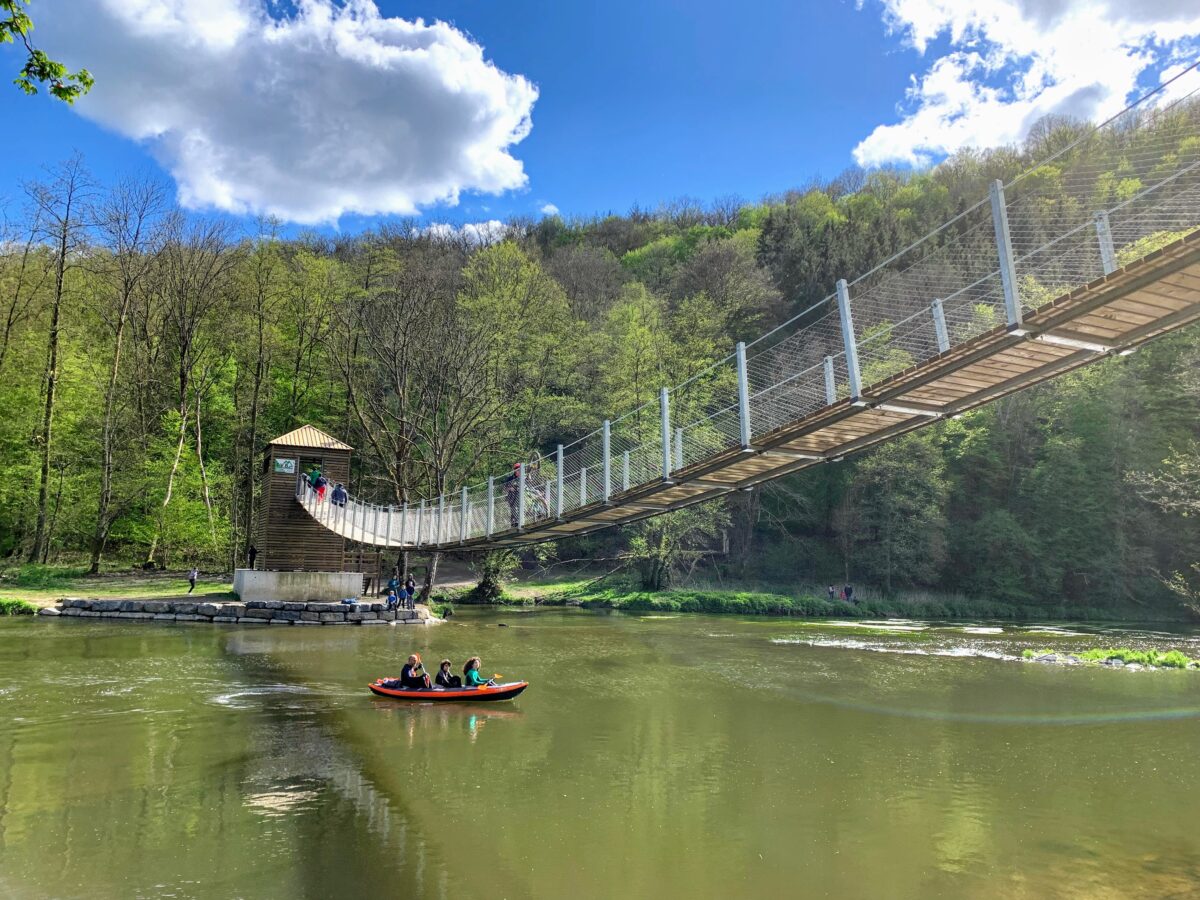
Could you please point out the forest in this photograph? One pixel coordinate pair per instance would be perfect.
(147, 354)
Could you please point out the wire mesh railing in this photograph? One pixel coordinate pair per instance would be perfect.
(1117, 192)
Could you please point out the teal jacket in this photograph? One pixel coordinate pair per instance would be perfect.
(472, 679)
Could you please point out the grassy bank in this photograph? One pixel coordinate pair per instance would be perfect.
(16, 608)
(44, 585)
(584, 592)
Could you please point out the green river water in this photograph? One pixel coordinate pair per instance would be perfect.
(653, 756)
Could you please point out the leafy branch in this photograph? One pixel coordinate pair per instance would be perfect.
(39, 68)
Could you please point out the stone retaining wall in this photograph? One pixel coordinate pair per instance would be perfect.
(254, 612)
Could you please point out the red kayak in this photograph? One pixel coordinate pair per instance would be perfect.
(448, 695)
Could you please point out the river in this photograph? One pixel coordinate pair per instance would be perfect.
(652, 756)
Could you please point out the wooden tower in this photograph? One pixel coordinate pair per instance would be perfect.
(287, 537)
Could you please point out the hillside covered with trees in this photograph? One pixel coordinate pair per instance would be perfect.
(146, 355)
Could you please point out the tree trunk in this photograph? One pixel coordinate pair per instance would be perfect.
(100, 536)
(212, 525)
(183, 419)
(430, 576)
(39, 531)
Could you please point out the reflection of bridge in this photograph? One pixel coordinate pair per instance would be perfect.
(1091, 253)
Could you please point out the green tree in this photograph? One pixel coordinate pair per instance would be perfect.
(39, 68)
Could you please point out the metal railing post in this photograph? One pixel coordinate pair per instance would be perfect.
(1108, 255)
(606, 454)
(440, 534)
(847, 319)
(1008, 268)
(664, 408)
(403, 524)
(387, 537)
(491, 515)
(830, 383)
(583, 486)
(939, 325)
(558, 478)
(420, 523)
(743, 381)
(375, 527)
(462, 518)
(625, 471)
(521, 498)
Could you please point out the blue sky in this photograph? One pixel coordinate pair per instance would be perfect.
(636, 102)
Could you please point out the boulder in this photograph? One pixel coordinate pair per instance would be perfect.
(188, 617)
(326, 607)
(89, 613)
(181, 607)
(48, 611)
(1115, 661)
(388, 615)
(361, 616)
(208, 609)
(372, 622)
(281, 622)
(71, 611)
(233, 609)
(285, 615)
(164, 617)
(295, 607)
(1046, 658)
(156, 606)
(311, 617)
(76, 603)
(333, 617)
(129, 606)
(246, 620)
(225, 620)
(258, 612)
(107, 605)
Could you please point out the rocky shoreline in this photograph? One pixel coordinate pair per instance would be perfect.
(254, 612)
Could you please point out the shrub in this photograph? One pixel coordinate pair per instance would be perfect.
(16, 608)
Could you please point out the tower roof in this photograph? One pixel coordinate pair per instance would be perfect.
(310, 437)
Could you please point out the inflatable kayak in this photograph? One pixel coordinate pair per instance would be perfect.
(445, 695)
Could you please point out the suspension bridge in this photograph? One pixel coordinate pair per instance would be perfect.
(1091, 253)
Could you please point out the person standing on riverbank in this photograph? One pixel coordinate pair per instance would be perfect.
(192, 576)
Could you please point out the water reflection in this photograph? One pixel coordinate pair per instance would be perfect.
(688, 756)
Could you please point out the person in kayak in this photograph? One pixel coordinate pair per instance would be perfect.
(471, 676)
(445, 678)
(413, 674)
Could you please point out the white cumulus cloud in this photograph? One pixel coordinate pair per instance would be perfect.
(549, 209)
(328, 109)
(1008, 63)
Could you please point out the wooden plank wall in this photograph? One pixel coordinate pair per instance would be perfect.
(291, 540)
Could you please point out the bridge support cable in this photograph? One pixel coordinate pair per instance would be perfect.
(462, 517)
(830, 382)
(624, 472)
(606, 459)
(664, 408)
(743, 392)
(558, 482)
(1108, 254)
(1004, 249)
(847, 320)
(521, 498)
(939, 325)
